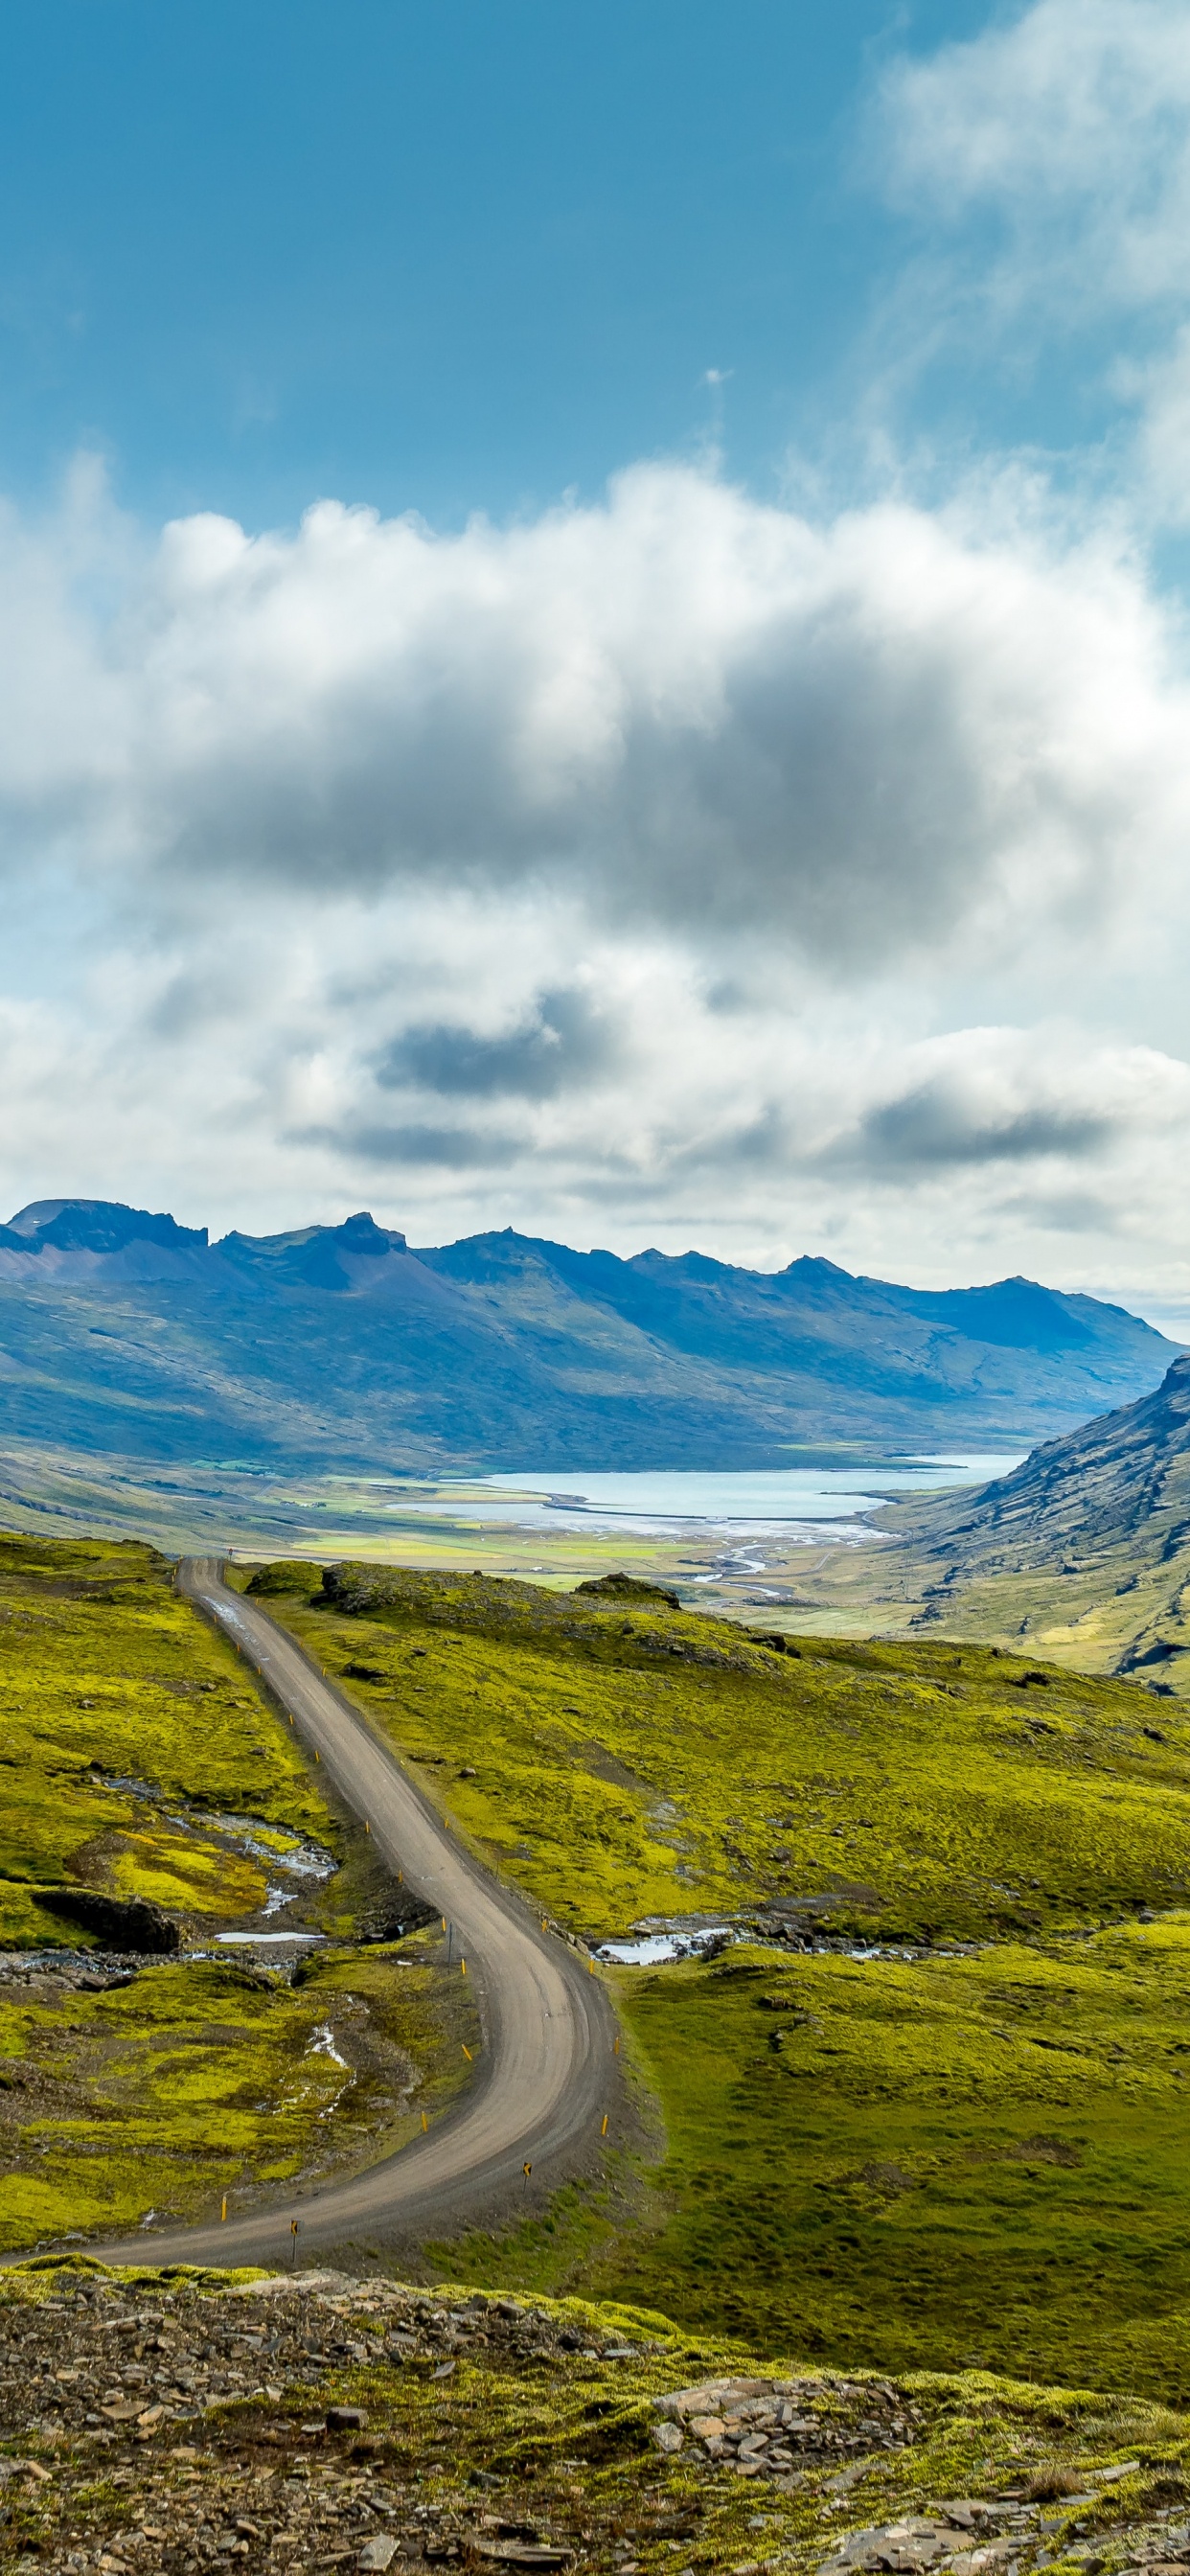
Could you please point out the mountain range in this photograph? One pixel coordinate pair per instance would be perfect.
(343, 1347)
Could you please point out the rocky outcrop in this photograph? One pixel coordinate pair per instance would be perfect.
(128, 1923)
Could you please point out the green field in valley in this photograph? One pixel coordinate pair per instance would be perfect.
(967, 2149)
(976, 2152)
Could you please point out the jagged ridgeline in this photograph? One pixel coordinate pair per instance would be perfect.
(967, 2143)
(343, 1349)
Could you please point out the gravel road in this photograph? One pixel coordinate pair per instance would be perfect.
(546, 2073)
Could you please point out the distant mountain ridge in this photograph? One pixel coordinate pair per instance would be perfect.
(124, 1332)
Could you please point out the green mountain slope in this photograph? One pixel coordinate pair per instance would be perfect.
(339, 1346)
(1082, 1553)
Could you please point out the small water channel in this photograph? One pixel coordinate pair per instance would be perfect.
(661, 1946)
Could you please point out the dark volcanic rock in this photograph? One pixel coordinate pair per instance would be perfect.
(125, 1923)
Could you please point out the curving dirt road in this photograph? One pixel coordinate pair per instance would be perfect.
(544, 2078)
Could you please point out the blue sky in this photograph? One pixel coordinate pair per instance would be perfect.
(439, 258)
(593, 627)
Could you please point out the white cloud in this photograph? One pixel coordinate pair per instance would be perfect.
(673, 867)
(1047, 161)
(1072, 122)
(859, 738)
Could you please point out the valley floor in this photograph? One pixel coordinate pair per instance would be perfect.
(924, 2111)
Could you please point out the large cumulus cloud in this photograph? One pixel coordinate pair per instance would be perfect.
(696, 709)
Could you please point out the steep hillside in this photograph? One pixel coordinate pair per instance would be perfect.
(338, 1346)
(1084, 1550)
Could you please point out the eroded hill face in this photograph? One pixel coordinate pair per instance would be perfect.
(1083, 1552)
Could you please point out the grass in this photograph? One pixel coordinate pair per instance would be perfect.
(204, 2078)
(977, 2151)
(971, 2159)
(139, 1761)
(972, 2153)
(108, 1677)
(623, 1760)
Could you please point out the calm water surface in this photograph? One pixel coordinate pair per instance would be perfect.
(820, 1500)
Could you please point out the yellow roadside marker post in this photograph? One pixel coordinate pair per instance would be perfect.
(463, 1966)
(466, 2052)
(223, 2211)
(425, 2123)
(294, 2225)
(603, 2131)
(526, 2169)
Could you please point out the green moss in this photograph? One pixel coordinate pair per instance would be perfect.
(975, 2158)
(108, 1676)
(908, 2161)
(134, 1739)
(204, 2078)
(628, 1760)
(566, 2441)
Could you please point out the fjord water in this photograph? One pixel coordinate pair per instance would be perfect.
(759, 1499)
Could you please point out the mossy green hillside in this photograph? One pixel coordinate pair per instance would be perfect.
(138, 1760)
(904, 2160)
(107, 1676)
(194, 2080)
(976, 2158)
(623, 1760)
